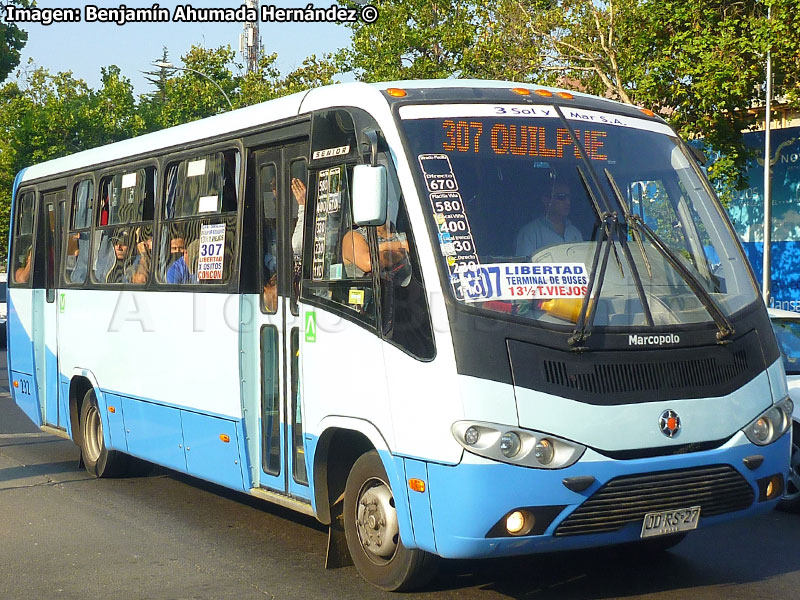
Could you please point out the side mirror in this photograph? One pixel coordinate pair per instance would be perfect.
(370, 194)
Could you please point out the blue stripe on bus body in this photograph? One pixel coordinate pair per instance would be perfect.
(177, 438)
(469, 499)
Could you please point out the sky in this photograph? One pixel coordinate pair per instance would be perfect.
(85, 47)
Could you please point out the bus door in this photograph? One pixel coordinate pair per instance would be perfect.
(280, 178)
(46, 307)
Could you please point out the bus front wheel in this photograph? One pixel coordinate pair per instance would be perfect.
(372, 531)
(98, 460)
(791, 499)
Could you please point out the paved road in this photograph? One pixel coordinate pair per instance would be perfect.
(165, 535)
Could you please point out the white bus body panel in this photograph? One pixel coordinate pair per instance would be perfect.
(156, 346)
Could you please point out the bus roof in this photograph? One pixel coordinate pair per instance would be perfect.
(266, 112)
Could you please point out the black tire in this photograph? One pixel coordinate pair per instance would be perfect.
(98, 460)
(791, 497)
(370, 525)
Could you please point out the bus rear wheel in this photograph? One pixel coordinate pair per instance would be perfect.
(372, 531)
(98, 460)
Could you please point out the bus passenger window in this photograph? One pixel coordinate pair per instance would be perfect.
(299, 183)
(22, 259)
(76, 255)
(268, 185)
(405, 319)
(123, 248)
(198, 229)
(340, 266)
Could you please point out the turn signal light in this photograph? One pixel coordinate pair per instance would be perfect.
(543, 93)
(648, 112)
(111, 409)
(416, 485)
(521, 91)
(565, 95)
(396, 92)
(16, 384)
(224, 437)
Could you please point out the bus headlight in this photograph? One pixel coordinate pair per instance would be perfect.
(771, 424)
(544, 451)
(516, 446)
(510, 444)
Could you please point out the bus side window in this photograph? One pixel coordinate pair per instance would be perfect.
(298, 170)
(198, 227)
(339, 270)
(269, 237)
(123, 245)
(22, 258)
(405, 319)
(76, 254)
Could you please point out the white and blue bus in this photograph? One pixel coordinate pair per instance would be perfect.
(450, 319)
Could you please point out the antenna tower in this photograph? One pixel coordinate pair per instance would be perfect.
(250, 41)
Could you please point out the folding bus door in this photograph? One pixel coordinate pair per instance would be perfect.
(45, 309)
(279, 174)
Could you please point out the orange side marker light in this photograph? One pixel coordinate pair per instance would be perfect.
(416, 485)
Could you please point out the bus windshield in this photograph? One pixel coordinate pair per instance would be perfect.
(524, 215)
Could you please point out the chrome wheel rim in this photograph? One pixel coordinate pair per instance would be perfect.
(376, 521)
(93, 434)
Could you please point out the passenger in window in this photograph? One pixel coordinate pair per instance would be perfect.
(177, 246)
(23, 273)
(104, 206)
(270, 293)
(184, 270)
(299, 193)
(551, 228)
(392, 253)
(111, 258)
(141, 264)
(80, 258)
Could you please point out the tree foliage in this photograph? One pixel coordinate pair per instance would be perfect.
(698, 63)
(45, 116)
(412, 39)
(12, 40)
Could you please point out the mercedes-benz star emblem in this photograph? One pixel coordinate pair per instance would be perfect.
(669, 423)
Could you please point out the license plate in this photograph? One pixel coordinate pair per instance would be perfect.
(670, 521)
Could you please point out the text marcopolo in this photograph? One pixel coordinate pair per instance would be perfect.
(653, 340)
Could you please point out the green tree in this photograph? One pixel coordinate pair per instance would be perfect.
(12, 40)
(46, 116)
(189, 96)
(267, 83)
(412, 39)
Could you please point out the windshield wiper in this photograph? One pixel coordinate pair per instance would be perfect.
(610, 225)
(635, 222)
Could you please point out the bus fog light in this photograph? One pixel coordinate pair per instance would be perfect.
(510, 444)
(544, 451)
(519, 522)
(472, 435)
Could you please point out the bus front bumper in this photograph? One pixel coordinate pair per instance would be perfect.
(469, 502)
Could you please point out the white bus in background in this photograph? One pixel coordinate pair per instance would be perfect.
(449, 319)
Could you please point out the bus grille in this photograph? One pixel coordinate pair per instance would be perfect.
(609, 378)
(716, 489)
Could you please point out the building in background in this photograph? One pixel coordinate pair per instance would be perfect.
(747, 207)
